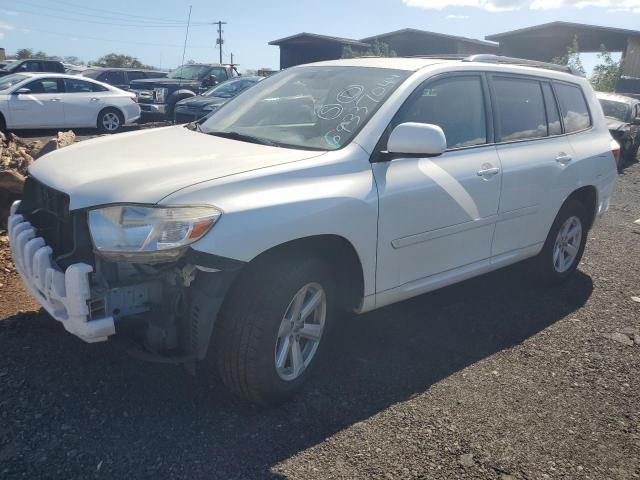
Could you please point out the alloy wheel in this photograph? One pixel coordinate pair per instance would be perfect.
(567, 245)
(300, 331)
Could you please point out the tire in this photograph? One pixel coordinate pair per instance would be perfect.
(557, 261)
(110, 120)
(251, 331)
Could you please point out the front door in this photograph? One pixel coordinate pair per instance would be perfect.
(438, 214)
(42, 107)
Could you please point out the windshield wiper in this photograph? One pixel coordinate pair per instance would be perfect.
(244, 138)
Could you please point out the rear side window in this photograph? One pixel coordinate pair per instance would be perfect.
(455, 104)
(553, 115)
(114, 77)
(136, 75)
(80, 86)
(575, 112)
(520, 109)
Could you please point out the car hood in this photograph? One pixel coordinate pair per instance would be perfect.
(146, 83)
(147, 165)
(201, 101)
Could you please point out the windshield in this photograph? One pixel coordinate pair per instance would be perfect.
(308, 107)
(618, 110)
(11, 80)
(189, 72)
(230, 88)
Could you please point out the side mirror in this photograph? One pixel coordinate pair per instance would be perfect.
(417, 139)
(22, 91)
(213, 80)
(635, 121)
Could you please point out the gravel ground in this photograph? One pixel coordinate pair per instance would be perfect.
(490, 379)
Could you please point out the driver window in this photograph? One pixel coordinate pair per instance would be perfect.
(455, 104)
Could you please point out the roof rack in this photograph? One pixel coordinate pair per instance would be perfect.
(488, 58)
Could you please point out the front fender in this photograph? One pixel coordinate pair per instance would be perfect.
(334, 194)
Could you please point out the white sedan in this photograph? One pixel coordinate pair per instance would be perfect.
(51, 100)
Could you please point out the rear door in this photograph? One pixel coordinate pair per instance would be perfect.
(82, 102)
(40, 108)
(536, 160)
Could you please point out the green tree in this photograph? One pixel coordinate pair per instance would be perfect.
(377, 49)
(24, 53)
(571, 57)
(117, 60)
(606, 73)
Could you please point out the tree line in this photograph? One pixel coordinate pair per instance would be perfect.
(112, 60)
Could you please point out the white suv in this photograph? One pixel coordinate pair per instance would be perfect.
(349, 184)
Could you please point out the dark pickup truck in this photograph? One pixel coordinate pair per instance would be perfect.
(157, 97)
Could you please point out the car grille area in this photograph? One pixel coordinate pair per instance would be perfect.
(47, 210)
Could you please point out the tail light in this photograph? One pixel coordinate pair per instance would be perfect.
(615, 150)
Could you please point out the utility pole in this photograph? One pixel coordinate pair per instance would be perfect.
(232, 60)
(219, 40)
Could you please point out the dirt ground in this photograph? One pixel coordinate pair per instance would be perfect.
(490, 379)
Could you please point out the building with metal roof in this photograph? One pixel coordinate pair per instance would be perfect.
(310, 47)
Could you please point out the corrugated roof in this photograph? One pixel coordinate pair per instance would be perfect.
(552, 25)
(315, 36)
(433, 34)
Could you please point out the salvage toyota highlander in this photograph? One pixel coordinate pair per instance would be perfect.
(343, 185)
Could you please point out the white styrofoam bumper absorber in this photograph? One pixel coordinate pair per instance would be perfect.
(63, 294)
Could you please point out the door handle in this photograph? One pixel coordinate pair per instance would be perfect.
(55, 99)
(95, 99)
(488, 171)
(563, 158)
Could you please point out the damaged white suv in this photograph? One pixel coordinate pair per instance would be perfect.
(348, 184)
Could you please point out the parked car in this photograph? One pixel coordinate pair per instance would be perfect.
(44, 100)
(234, 242)
(622, 115)
(121, 77)
(195, 108)
(158, 97)
(31, 65)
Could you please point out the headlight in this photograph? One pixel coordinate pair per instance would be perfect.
(209, 108)
(160, 94)
(148, 234)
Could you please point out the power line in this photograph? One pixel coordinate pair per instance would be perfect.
(119, 16)
(128, 42)
(138, 25)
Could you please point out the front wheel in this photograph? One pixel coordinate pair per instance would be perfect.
(272, 330)
(564, 245)
(110, 120)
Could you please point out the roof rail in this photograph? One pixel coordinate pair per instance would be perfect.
(442, 56)
(488, 58)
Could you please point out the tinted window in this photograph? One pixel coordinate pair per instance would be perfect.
(53, 67)
(136, 75)
(575, 112)
(44, 85)
(553, 115)
(73, 85)
(29, 66)
(455, 104)
(114, 77)
(519, 109)
(220, 73)
(618, 110)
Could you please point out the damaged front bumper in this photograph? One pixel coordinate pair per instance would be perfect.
(64, 295)
(168, 311)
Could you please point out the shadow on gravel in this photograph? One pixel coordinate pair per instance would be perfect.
(73, 410)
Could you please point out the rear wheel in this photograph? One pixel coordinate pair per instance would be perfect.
(110, 120)
(270, 332)
(564, 245)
